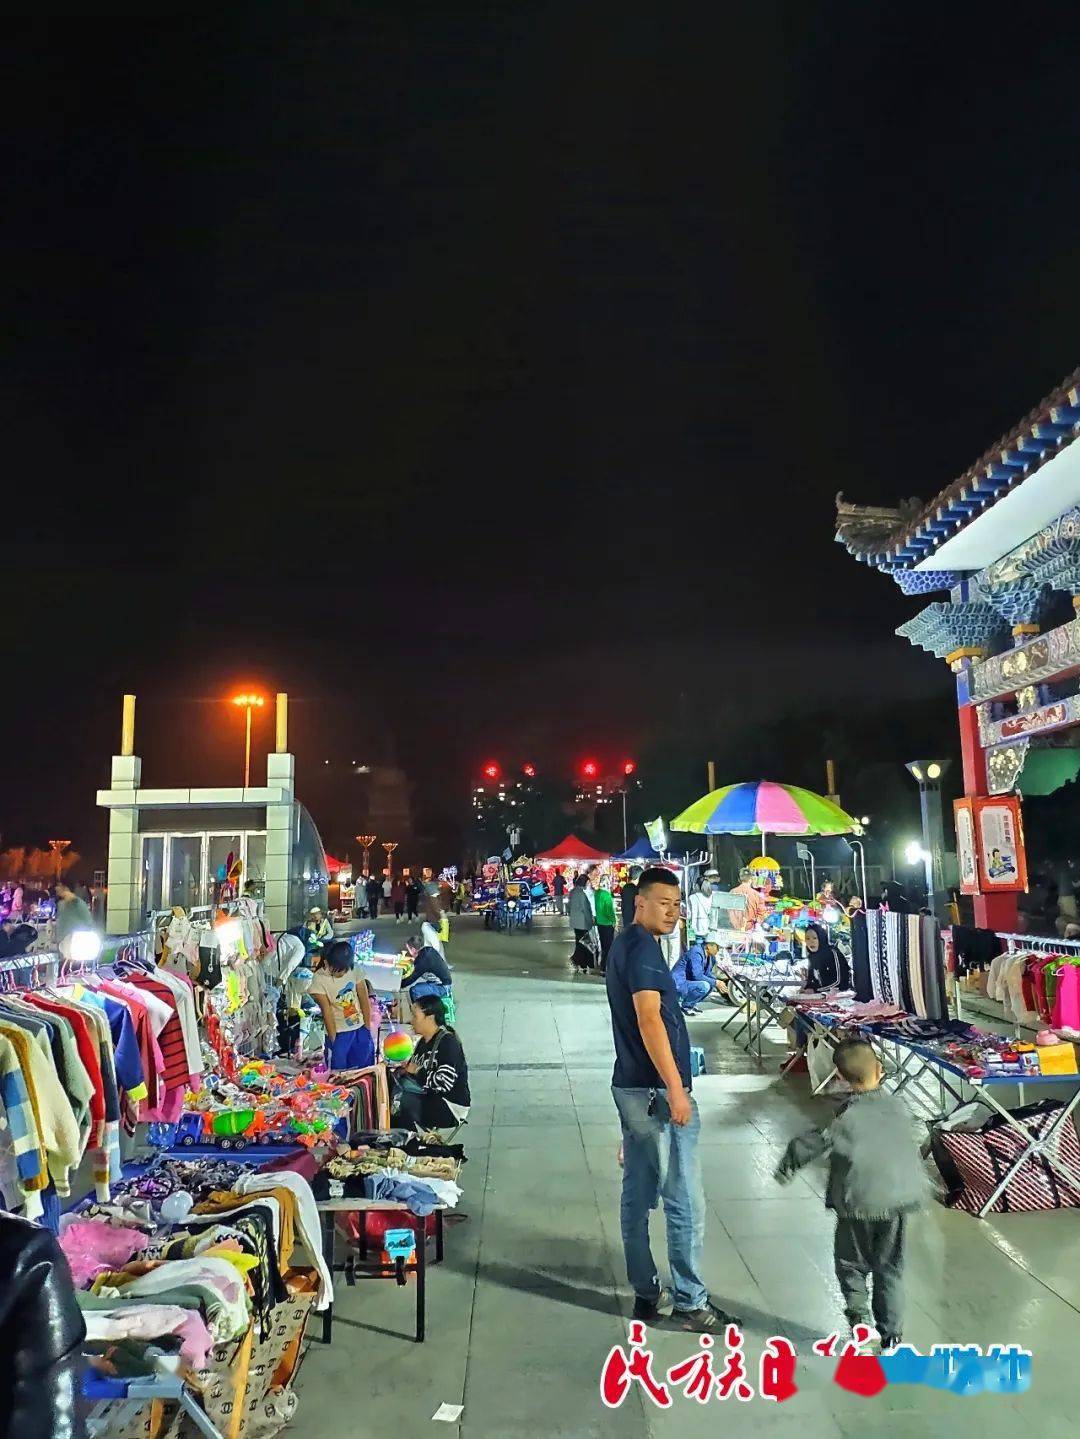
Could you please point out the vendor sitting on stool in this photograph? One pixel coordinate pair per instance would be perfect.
(433, 1088)
(340, 990)
(430, 973)
(692, 973)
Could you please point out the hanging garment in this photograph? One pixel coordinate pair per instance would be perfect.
(875, 932)
(860, 959)
(974, 948)
(933, 968)
(917, 997)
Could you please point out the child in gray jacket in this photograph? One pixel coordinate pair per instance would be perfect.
(876, 1178)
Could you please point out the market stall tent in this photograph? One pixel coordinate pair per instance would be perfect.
(569, 849)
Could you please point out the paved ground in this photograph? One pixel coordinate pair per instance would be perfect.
(533, 1295)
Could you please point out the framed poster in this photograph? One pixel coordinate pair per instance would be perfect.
(999, 844)
(964, 820)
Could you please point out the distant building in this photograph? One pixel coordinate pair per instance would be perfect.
(167, 846)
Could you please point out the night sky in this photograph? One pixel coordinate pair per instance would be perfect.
(486, 378)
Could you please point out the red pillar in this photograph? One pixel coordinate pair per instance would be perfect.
(992, 911)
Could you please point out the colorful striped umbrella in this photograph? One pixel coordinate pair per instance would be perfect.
(761, 807)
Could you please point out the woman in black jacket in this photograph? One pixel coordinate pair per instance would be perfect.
(434, 1092)
(41, 1336)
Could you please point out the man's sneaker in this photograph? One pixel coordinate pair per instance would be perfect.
(889, 1342)
(709, 1319)
(649, 1309)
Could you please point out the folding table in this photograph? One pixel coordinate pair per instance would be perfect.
(907, 1063)
(760, 989)
(330, 1208)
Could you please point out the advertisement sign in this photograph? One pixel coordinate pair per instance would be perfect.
(999, 845)
(964, 820)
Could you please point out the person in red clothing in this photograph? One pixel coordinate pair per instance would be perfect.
(397, 899)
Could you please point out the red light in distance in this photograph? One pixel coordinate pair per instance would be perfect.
(590, 769)
(629, 767)
(491, 770)
(529, 771)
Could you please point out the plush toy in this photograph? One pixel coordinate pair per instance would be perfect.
(398, 1047)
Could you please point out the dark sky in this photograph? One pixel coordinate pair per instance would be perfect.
(485, 378)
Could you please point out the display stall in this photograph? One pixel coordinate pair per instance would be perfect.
(163, 1126)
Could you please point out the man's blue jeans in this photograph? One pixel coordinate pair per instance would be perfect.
(661, 1162)
(696, 990)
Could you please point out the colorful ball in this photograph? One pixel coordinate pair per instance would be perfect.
(398, 1047)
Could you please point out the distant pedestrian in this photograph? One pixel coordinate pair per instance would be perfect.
(397, 899)
(605, 919)
(583, 923)
(72, 914)
(558, 889)
(413, 891)
(374, 894)
(387, 894)
(628, 897)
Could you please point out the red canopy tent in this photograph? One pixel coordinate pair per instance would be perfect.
(333, 865)
(571, 848)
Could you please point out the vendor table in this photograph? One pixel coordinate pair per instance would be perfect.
(759, 989)
(907, 1063)
(330, 1208)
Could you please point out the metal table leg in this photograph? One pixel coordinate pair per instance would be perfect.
(328, 1235)
(421, 1287)
(1045, 1147)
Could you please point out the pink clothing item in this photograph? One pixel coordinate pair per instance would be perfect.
(170, 1108)
(1066, 1013)
(91, 1246)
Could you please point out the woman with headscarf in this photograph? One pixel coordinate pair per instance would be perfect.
(828, 969)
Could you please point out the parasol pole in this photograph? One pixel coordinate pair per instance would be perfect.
(713, 841)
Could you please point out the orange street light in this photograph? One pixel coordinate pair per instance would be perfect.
(248, 703)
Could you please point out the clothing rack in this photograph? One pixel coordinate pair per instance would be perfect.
(1017, 944)
(115, 949)
(1028, 941)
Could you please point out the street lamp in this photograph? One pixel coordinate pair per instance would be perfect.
(390, 845)
(928, 774)
(248, 703)
(58, 846)
(629, 769)
(365, 841)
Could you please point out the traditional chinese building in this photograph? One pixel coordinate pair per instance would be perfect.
(999, 549)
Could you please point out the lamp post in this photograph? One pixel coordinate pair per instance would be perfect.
(628, 769)
(390, 845)
(248, 703)
(928, 774)
(365, 841)
(58, 846)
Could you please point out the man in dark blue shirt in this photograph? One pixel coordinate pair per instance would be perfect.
(660, 1122)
